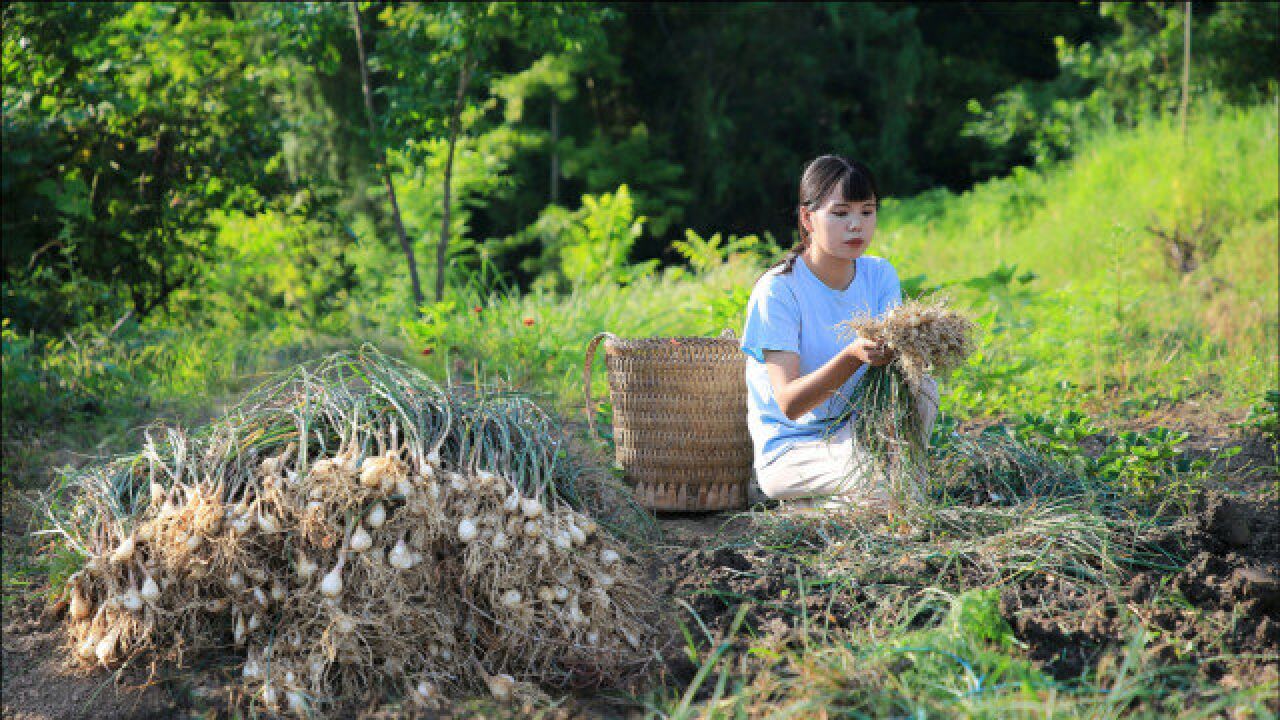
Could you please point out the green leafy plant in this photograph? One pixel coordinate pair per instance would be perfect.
(1264, 416)
(706, 253)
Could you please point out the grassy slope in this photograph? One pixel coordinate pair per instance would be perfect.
(1106, 313)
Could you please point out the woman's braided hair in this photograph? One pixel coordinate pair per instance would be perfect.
(823, 176)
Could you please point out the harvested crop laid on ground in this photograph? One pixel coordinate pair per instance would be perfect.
(354, 532)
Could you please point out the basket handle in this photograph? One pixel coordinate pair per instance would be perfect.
(586, 378)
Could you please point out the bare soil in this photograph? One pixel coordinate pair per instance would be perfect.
(1220, 611)
(1217, 607)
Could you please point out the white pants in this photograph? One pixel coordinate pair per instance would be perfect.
(837, 471)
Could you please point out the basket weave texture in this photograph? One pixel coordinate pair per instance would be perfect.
(679, 419)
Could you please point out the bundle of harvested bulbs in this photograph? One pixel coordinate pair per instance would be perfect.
(356, 533)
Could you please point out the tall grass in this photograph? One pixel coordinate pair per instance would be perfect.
(1106, 315)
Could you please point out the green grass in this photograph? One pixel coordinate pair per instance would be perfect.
(1105, 317)
(1078, 310)
(1076, 305)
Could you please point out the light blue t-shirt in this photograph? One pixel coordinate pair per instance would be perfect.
(796, 311)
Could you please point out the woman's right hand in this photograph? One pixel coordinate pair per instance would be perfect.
(870, 352)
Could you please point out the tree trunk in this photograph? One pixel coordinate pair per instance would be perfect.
(555, 156)
(1186, 69)
(405, 245)
(442, 250)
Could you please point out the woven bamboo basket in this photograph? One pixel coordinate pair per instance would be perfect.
(679, 419)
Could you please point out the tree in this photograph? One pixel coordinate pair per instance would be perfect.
(124, 126)
(464, 45)
(386, 171)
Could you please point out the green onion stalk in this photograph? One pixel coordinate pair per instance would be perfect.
(885, 425)
(925, 337)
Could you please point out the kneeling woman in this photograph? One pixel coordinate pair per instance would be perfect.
(800, 371)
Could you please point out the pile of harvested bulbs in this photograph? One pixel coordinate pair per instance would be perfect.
(356, 535)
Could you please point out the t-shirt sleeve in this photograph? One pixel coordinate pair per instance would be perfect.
(773, 320)
(890, 288)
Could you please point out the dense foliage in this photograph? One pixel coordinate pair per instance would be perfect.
(149, 148)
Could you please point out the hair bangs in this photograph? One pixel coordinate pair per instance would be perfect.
(855, 186)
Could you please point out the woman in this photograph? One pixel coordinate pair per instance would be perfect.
(800, 371)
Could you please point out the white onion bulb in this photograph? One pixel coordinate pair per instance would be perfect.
(331, 585)
(500, 541)
(531, 507)
(467, 530)
(424, 690)
(106, 647)
(150, 590)
(500, 686)
(512, 503)
(608, 557)
(400, 558)
(79, 605)
(306, 568)
(267, 524)
(371, 471)
(360, 540)
(86, 648)
(124, 553)
(576, 535)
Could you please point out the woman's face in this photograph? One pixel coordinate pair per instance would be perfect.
(842, 228)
